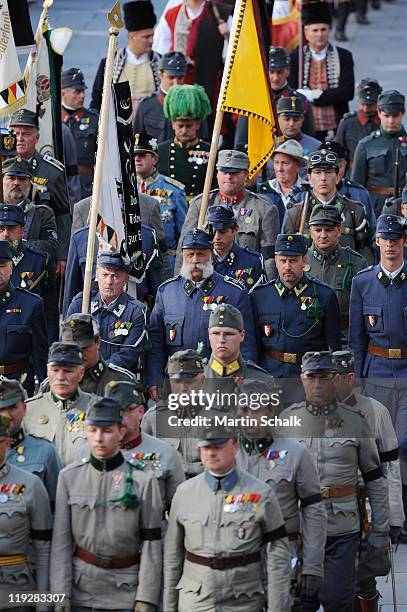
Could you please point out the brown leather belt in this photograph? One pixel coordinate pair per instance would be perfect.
(12, 368)
(339, 491)
(106, 562)
(223, 563)
(284, 357)
(85, 169)
(388, 353)
(386, 191)
(13, 560)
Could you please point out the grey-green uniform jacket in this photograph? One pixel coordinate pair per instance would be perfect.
(336, 270)
(386, 439)
(91, 513)
(155, 423)
(258, 219)
(25, 516)
(59, 421)
(210, 521)
(342, 442)
(288, 467)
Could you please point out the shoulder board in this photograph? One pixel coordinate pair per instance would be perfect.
(352, 252)
(352, 183)
(252, 252)
(267, 284)
(233, 281)
(26, 292)
(175, 182)
(252, 364)
(54, 162)
(364, 270)
(34, 397)
(116, 368)
(170, 280)
(349, 114)
(36, 250)
(92, 111)
(374, 134)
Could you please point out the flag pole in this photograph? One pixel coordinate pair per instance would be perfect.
(301, 51)
(115, 20)
(213, 153)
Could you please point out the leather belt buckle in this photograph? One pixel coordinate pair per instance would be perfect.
(325, 491)
(290, 357)
(102, 561)
(394, 353)
(217, 563)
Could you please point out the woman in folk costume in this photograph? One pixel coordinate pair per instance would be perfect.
(328, 79)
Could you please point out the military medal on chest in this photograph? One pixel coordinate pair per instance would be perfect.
(75, 421)
(276, 457)
(244, 502)
(246, 214)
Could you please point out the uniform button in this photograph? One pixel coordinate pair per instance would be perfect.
(172, 167)
(172, 158)
(195, 167)
(193, 185)
(172, 175)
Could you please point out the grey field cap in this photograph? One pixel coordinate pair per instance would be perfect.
(231, 160)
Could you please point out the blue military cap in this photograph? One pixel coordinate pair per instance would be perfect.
(391, 101)
(293, 106)
(111, 259)
(344, 361)
(11, 215)
(220, 217)
(174, 63)
(73, 77)
(65, 353)
(319, 361)
(278, 58)
(125, 392)
(5, 250)
(197, 239)
(11, 392)
(290, 244)
(104, 411)
(391, 227)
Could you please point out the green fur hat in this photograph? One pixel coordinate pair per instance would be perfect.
(186, 102)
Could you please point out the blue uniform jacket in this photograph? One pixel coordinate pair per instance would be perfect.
(285, 321)
(173, 205)
(180, 319)
(378, 315)
(243, 264)
(122, 328)
(75, 268)
(23, 334)
(39, 457)
(30, 266)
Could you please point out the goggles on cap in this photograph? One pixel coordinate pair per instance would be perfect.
(315, 158)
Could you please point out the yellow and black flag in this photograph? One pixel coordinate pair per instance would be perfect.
(246, 86)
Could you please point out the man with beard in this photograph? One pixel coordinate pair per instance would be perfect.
(180, 317)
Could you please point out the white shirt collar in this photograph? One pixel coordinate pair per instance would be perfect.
(286, 198)
(392, 275)
(133, 59)
(319, 55)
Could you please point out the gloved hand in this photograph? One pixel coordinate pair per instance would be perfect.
(310, 585)
(373, 562)
(394, 534)
(63, 606)
(142, 606)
